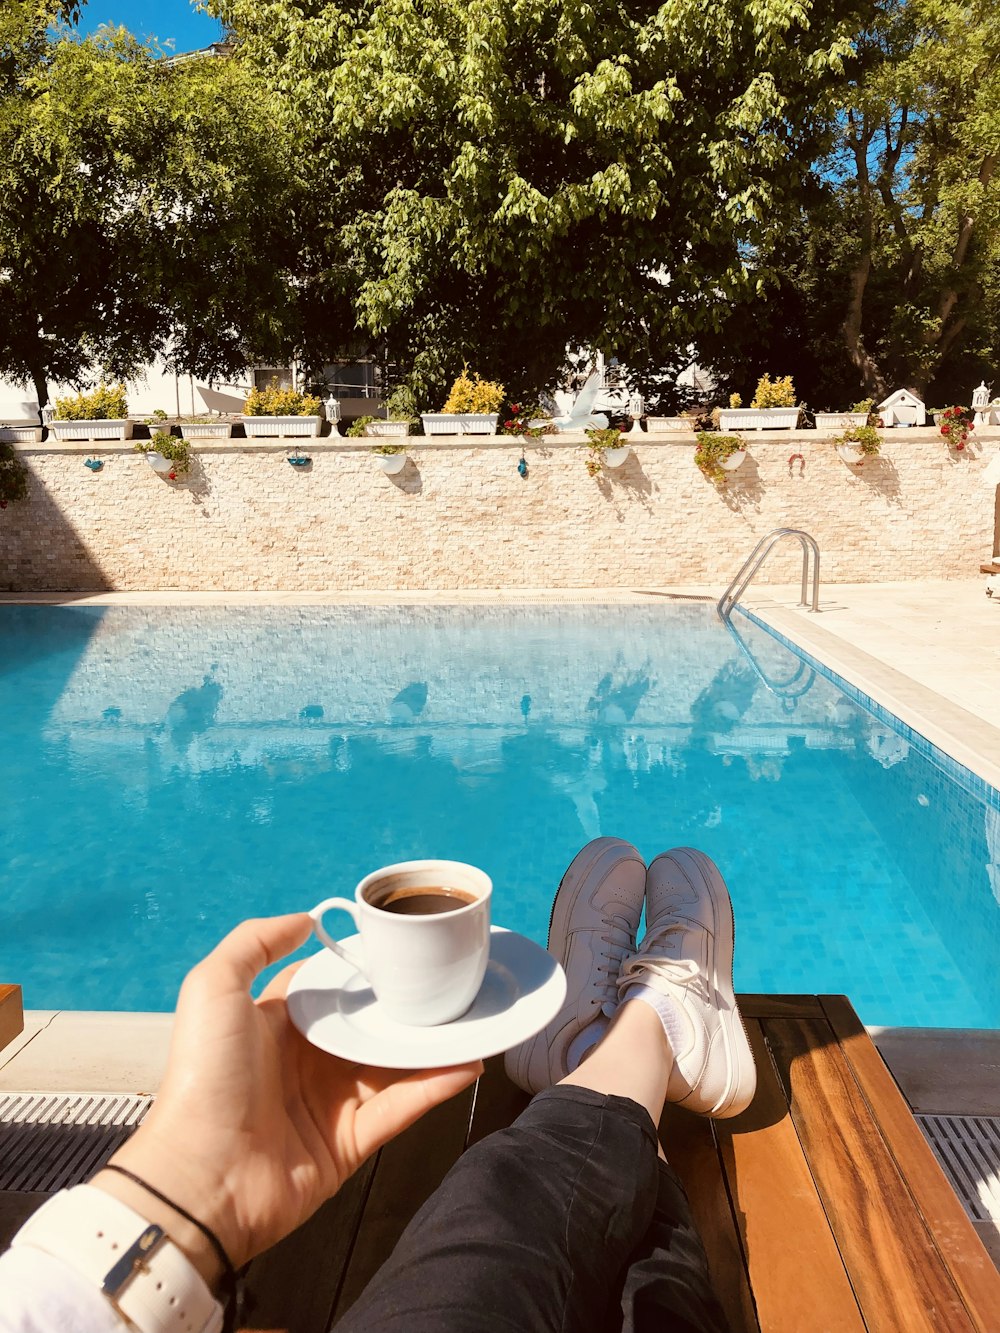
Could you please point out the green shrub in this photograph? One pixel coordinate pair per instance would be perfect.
(105, 403)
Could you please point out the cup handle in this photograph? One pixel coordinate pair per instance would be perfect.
(321, 933)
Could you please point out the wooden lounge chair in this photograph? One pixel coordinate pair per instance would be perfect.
(822, 1207)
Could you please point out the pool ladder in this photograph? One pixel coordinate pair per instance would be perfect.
(756, 558)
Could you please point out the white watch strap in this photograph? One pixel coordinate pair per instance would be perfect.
(148, 1280)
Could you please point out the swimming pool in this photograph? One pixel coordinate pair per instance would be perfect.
(167, 772)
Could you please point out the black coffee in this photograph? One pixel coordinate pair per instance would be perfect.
(425, 901)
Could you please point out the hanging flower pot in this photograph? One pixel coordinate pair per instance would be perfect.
(733, 461)
(157, 462)
(390, 458)
(850, 453)
(616, 457)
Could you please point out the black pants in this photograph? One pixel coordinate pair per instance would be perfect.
(567, 1220)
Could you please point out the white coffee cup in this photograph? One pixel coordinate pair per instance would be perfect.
(423, 969)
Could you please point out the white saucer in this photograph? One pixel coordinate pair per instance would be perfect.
(333, 1006)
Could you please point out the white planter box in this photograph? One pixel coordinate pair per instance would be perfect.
(20, 434)
(157, 462)
(441, 423)
(460, 423)
(758, 418)
(668, 425)
(850, 453)
(391, 463)
(206, 430)
(734, 460)
(840, 420)
(616, 457)
(393, 429)
(271, 428)
(114, 429)
(479, 423)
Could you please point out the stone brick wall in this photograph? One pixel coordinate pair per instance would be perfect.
(462, 517)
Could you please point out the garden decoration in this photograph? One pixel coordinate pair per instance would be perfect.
(717, 454)
(581, 415)
(274, 411)
(606, 448)
(299, 460)
(167, 457)
(857, 416)
(858, 443)
(792, 460)
(471, 408)
(391, 458)
(522, 467)
(99, 415)
(95, 464)
(956, 424)
(902, 408)
(983, 406)
(773, 407)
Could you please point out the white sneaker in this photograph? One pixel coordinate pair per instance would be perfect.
(593, 925)
(687, 954)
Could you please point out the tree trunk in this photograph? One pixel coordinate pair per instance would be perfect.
(41, 383)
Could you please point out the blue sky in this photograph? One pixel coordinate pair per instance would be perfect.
(174, 21)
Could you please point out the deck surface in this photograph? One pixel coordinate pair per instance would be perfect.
(822, 1207)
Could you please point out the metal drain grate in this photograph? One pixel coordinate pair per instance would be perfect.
(968, 1148)
(50, 1140)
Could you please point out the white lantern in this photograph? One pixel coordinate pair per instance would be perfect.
(981, 403)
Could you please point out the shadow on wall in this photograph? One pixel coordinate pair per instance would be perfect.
(40, 550)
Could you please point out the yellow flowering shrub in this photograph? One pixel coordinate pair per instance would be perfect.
(774, 393)
(470, 394)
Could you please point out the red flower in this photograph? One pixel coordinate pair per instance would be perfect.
(945, 430)
(960, 446)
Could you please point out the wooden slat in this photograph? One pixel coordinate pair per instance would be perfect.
(408, 1171)
(691, 1149)
(894, 1267)
(293, 1286)
(954, 1235)
(11, 1014)
(780, 1006)
(796, 1272)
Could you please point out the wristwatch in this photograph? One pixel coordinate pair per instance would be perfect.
(148, 1280)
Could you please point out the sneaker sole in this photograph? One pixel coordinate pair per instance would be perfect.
(742, 1082)
(602, 855)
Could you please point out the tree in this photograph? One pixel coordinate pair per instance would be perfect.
(891, 274)
(142, 207)
(503, 177)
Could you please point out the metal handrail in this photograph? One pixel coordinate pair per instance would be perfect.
(757, 557)
(781, 689)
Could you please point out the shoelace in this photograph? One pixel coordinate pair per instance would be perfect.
(675, 971)
(618, 941)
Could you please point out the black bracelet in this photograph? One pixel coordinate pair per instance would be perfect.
(230, 1284)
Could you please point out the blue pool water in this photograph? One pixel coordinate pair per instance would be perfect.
(165, 773)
